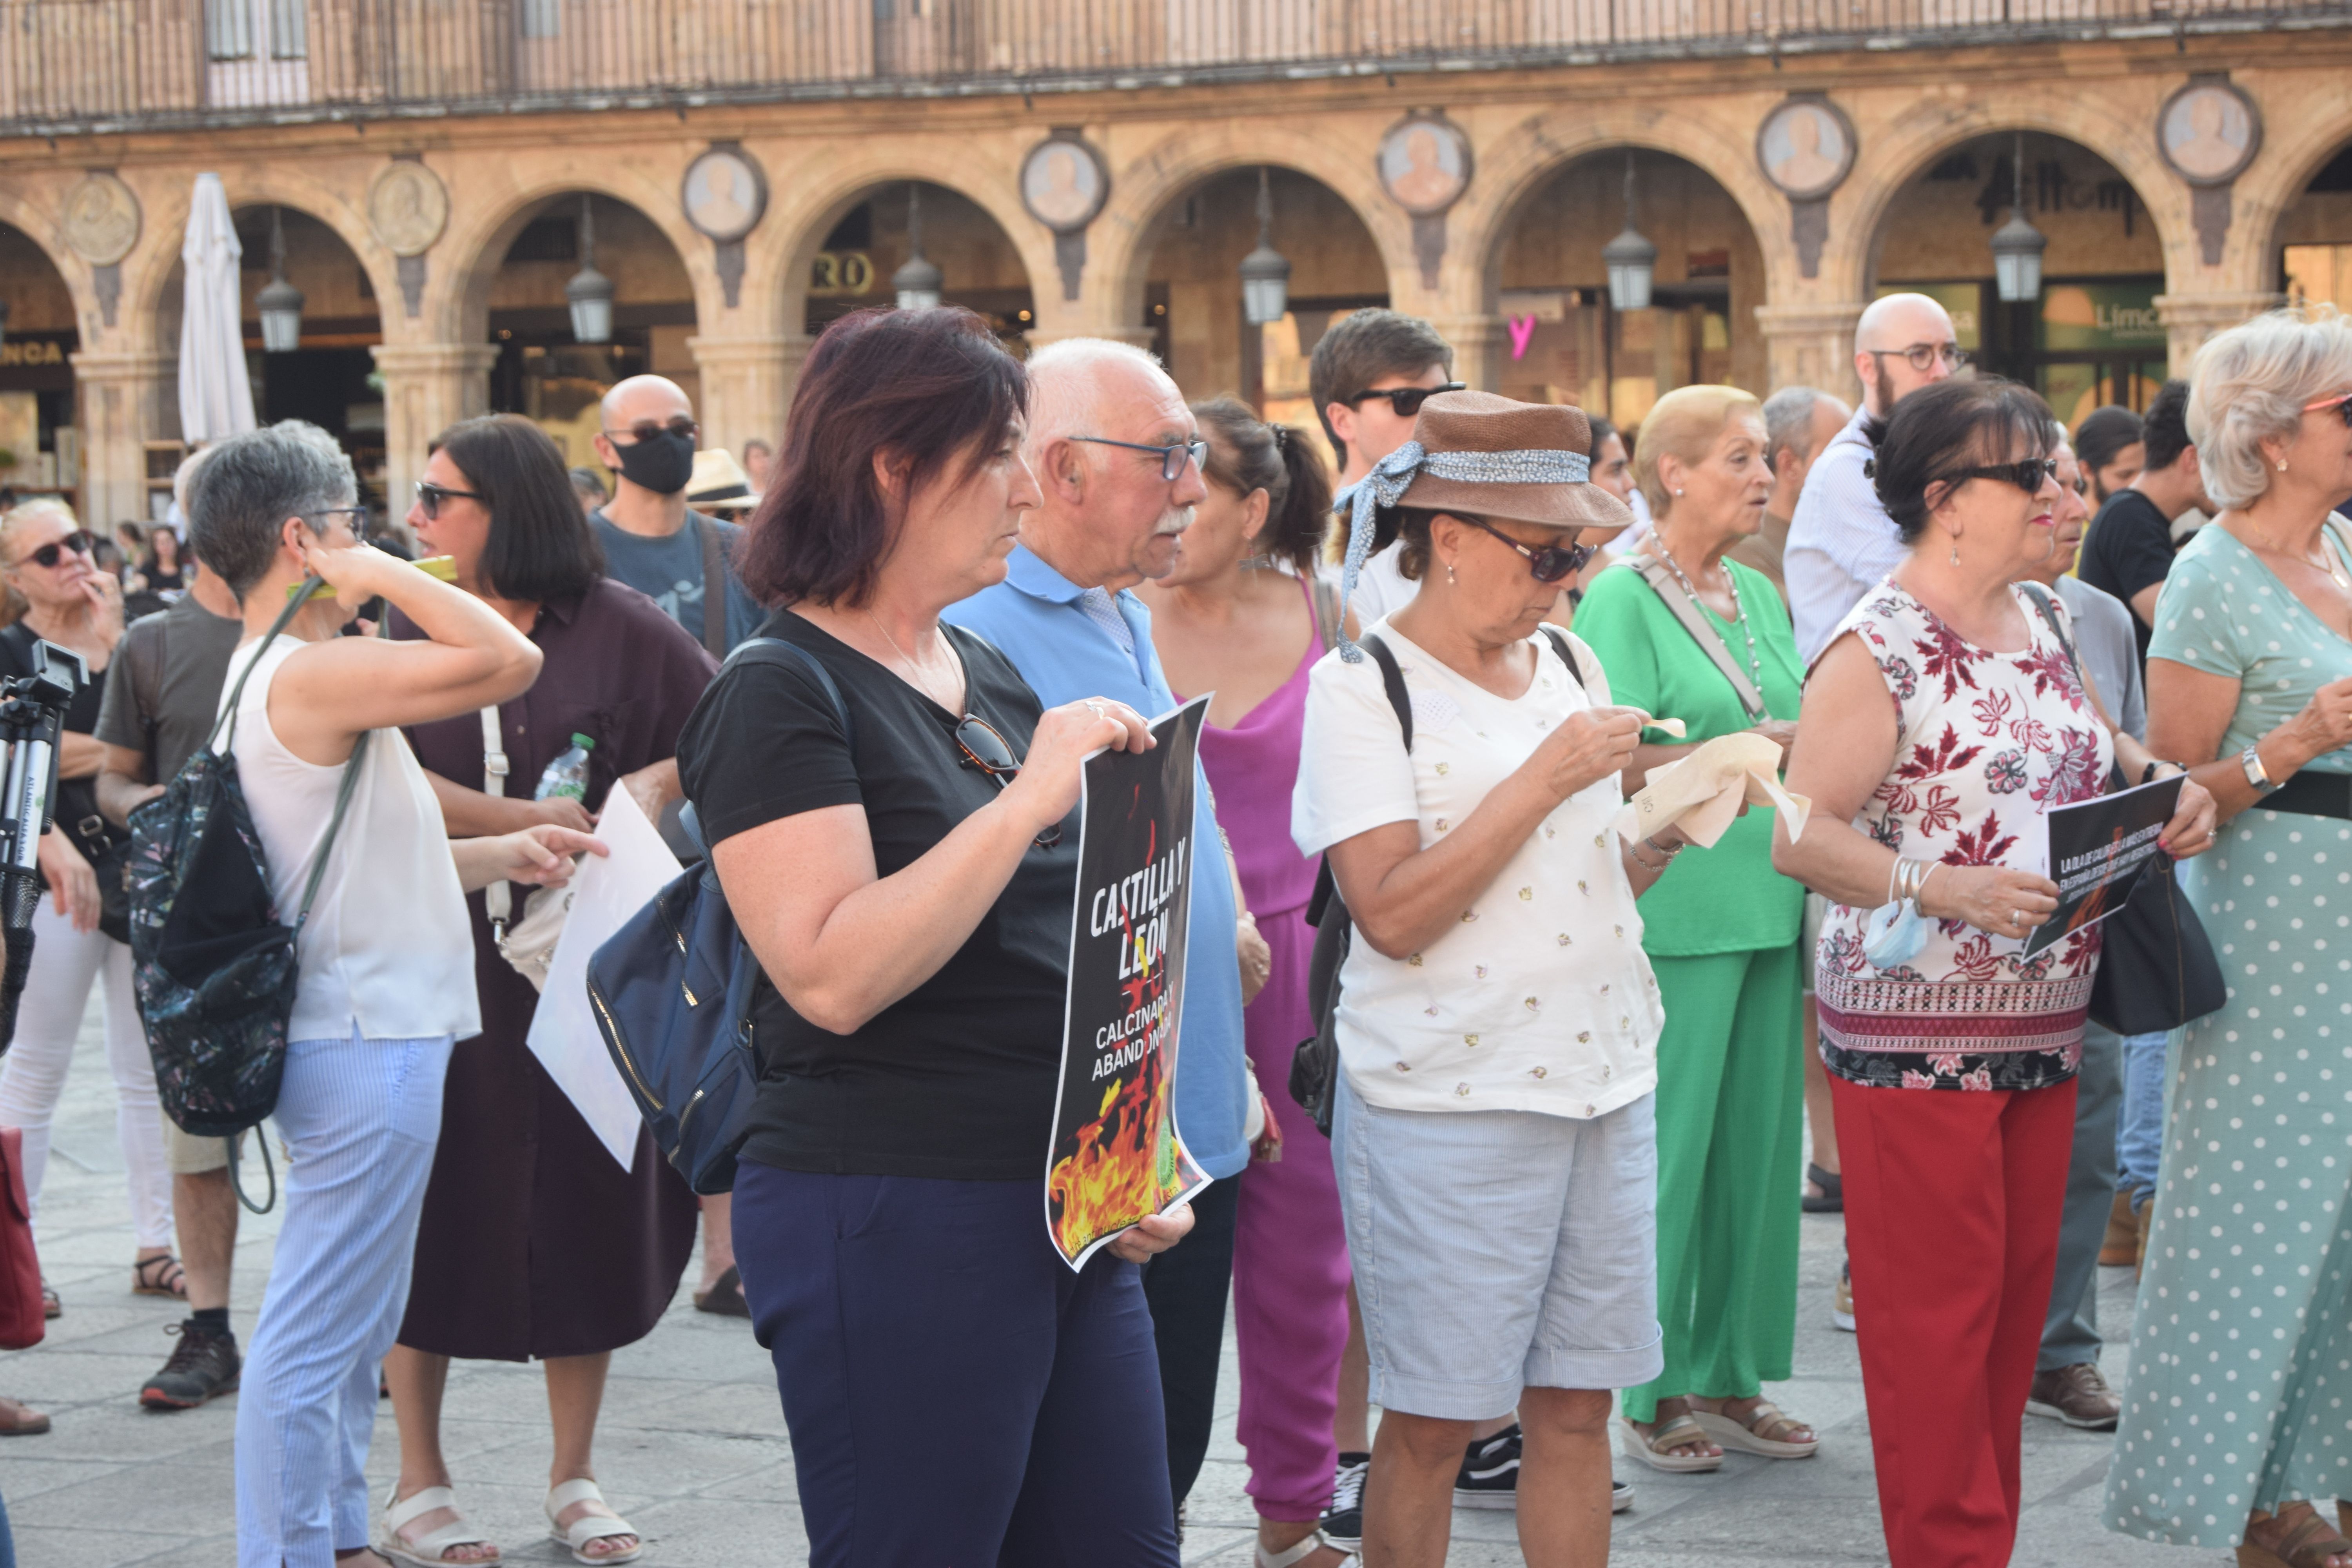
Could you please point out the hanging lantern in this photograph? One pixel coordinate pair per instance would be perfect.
(279, 303)
(590, 292)
(1631, 260)
(2017, 245)
(1266, 271)
(917, 282)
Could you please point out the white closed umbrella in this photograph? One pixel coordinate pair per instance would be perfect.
(215, 398)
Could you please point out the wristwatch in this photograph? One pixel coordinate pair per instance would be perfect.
(2251, 760)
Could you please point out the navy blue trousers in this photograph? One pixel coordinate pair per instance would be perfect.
(957, 1397)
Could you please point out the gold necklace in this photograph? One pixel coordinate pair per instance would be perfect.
(2326, 561)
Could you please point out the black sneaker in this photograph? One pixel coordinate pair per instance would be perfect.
(204, 1366)
(1343, 1523)
(1490, 1472)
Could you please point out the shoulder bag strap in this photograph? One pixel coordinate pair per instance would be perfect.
(766, 650)
(2041, 597)
(228, 719)
(1392, 680)
(334, 823)
(714, 587)
(1567, 655)
(497, 899)
(1660, 577)
(1328, 620)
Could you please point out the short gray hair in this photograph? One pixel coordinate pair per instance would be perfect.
(1788, 422)
(2251, 383)
(248, 485)
(1066, 385)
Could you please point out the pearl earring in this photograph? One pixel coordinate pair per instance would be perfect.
(1449, 573)
(1956, 552)
(2282, 464)
(1678, 493)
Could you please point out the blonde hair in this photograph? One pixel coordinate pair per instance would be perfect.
(2250, 383)
(1685, 424)
(13, 604)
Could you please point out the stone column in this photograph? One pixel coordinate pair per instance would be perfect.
(2190, 319)
(127, 398)
(747, 384)
(428, 387)
(1482, 347)
(1811, 346)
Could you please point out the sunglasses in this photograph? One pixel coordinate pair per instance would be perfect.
(2029, 475)
(1549, 564)
(355, 518)
(987, 750)
(645, 429)
(430, 496)
(78, 542)
(1171, 458)
(1923, 356)
(1406, 400)
(2341, 403)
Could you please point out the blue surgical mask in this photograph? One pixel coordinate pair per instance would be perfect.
(1892, 934)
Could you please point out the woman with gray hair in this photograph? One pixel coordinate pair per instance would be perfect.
(2234, 1427)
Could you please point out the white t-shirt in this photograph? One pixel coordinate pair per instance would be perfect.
(1539, 998)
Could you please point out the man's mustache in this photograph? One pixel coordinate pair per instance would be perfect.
(1176, 521)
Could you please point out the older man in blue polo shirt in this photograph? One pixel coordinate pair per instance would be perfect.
(1110, 440)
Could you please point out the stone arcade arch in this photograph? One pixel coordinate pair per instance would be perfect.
(40, 427)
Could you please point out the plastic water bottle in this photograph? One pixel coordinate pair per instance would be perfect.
(566, 778)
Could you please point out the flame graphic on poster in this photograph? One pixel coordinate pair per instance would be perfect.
(1117, 1156)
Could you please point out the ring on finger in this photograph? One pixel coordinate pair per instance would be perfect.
(1093, 706)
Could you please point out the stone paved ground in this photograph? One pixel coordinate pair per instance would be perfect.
(692, 1447)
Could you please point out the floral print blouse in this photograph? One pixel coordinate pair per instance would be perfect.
(1986, 743)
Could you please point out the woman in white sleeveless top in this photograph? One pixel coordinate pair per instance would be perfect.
(386, 962)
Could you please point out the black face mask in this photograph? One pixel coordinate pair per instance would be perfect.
(661, 463)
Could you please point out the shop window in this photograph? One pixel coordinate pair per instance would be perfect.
(247, 29)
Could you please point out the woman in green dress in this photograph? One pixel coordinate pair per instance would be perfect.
(1686, 634)
(2234, 1422)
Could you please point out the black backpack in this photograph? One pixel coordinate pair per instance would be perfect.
(214, 959)
(1315, 1065)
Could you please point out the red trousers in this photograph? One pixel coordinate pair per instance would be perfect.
(1952, 1200)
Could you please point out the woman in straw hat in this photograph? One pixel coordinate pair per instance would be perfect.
(1494, 1134)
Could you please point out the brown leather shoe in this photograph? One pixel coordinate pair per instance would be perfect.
(20, 1420)
(2120, 1248)
(2075, 1395)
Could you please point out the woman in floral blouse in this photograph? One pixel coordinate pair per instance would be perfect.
(1937, 796)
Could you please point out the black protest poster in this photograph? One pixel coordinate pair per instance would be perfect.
(2097, 850)
(1116, 1157)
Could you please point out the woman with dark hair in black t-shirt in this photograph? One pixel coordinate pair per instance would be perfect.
(912, 910)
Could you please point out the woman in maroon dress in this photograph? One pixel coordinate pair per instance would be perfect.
(535, 1242)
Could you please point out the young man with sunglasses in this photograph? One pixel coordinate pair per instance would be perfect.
(1841, 540)
(1368, 376)
(652, 541)
(1117, 456)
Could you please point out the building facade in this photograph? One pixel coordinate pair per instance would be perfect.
(750, 168)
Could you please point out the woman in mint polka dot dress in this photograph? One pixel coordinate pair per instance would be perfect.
(2238, 1408)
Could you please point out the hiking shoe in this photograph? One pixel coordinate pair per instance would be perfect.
(1841, 1300)
(204, 1366)
(1343, 1523)
(1490, 1471)
(2075, 1395)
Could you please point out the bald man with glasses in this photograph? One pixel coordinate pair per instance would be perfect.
(1841, 540)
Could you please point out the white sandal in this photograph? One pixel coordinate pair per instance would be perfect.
(428, 1551)
(588, 1527)
(1314, 1542)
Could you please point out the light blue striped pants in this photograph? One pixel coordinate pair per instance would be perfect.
(359, 1118)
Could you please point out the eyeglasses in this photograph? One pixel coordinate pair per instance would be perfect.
(1923, 356)
(2029, 475)
(2341, 403)
(1406, 400)
(1549, 564)
(645, 429)
(355, 518)
(985, 749)
(78, 542)
(430, 496)
(1171, 458)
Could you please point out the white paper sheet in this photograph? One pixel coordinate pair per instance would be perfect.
(605, 892)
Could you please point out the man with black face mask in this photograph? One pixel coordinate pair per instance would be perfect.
(652, 541)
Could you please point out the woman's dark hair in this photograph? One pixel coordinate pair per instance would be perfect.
(1247, 454)
(540, 546)
(923, 387)
(2103, 433)
(1941, 431)
(152, 561)
(1602, 429)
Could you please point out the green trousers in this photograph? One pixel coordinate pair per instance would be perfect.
(1731, 1105)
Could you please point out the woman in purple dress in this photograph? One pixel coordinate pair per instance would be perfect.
(1243, 617)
